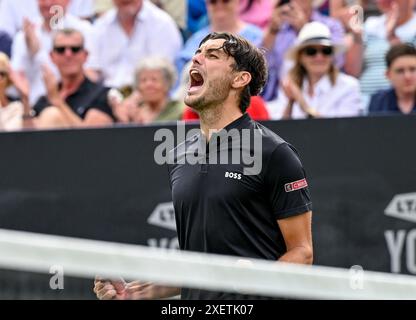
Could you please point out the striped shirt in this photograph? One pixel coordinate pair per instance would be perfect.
(376, 46)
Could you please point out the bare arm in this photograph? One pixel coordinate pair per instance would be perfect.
(297, 232)
(147, 291)
(294, 94)
(106, 289)
(95, 117)
(272, 29)
(287, 113)
(354, 55)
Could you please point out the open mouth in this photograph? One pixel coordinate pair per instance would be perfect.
(196, 80)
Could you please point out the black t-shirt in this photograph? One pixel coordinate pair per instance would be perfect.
(90, 95)
(221, 209)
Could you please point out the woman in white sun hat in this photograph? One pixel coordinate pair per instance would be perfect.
(314, 86)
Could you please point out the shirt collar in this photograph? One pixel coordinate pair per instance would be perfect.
(323, 86)
(142, 15)
(240, 123)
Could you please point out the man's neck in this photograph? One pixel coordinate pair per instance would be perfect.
(217, 118)
(128, 21)
(406, 101)
(231, 25)
(72, 83)
(405, 13)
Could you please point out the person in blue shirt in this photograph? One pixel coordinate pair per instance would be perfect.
(5, 43)
(223, 17)
(401, 72)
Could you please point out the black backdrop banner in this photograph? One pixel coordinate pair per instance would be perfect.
(104, 184)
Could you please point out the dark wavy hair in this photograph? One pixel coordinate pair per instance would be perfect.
(247, 58)
(399, 50)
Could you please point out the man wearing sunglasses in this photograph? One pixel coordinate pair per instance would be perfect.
(76, 101)
(31, 45)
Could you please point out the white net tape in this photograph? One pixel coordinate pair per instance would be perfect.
(87, 258)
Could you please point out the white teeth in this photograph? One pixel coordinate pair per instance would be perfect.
(196, 76)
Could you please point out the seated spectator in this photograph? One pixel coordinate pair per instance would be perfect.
(76, 101)
(176, 9)
(150, 102)
(5, 43)
(257, 12)
(223, 17)
(127, 33)
(286, 22)
(314, 87)
(401, 72)
(13, 113)
(365, 58)
(257, 110)
(196, 15)
(13, 13)
(32, 45)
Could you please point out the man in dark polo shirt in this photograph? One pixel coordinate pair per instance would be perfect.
(76, 101)
(256, 204)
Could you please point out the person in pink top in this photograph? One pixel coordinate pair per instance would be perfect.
(257, 12)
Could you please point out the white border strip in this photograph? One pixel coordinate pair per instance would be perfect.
(87, 258)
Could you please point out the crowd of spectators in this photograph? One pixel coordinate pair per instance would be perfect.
(77, 63)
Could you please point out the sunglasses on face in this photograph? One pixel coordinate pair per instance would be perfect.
(312, 51)
(62, 49)
(213, 2)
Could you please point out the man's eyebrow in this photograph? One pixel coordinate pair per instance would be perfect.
(210, 50)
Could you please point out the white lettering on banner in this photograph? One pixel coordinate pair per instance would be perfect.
(403, 206)
(411, 251)
(163, 216)
(164, 243)
(395, 244)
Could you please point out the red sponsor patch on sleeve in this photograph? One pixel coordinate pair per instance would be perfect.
(292, 186)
